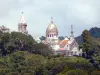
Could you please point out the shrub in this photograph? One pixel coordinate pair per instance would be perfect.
(76, 72)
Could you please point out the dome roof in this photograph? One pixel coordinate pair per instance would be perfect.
(52, 27)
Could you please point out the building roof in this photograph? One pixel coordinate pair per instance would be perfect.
(63, 43)
(22, 19)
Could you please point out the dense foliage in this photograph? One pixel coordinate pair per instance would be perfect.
(91, 49)
(86, 41)
(25, 63)
(90, 43)
(15, 41)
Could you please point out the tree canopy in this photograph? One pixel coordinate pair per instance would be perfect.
(15, 41)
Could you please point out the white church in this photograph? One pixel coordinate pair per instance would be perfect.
(66, 47)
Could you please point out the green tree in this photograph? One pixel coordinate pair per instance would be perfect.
(86, 41)
(61, 38)
(42, 38)
(43, 49)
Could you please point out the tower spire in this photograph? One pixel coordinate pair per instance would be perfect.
(72, 32)
(22, 19)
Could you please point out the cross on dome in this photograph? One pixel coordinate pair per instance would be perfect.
(51, 19)
(22, 20)
(22, 12)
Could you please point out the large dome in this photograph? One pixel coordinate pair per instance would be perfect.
(52, 27)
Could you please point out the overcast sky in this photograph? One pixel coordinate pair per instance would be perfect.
(82, 14)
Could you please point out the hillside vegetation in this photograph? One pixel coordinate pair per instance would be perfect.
(22, 55)
(25, 63)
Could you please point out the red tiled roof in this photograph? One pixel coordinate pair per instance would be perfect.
(62, 43)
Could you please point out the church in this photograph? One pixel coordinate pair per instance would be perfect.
(66, 47)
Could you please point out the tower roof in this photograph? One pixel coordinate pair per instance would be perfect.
(22, 19)
(72, 32)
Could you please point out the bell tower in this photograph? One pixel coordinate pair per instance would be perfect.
(22, 26)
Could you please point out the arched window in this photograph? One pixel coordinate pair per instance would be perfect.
(67, 45)
(50, 35)
(75, 52)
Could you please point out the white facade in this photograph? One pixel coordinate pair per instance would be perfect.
(70, 49)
